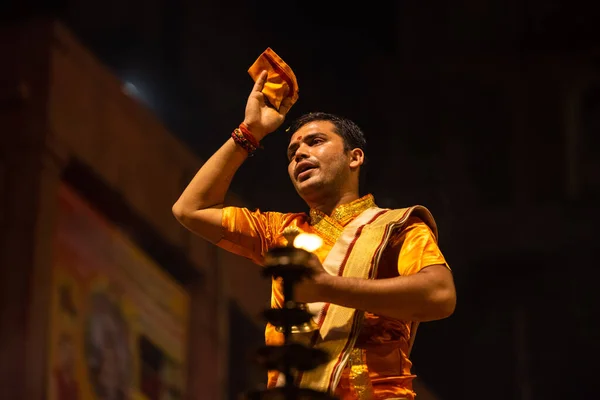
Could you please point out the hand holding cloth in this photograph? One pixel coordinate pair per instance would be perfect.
(281, 81)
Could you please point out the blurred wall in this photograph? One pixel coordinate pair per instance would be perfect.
(65, 117)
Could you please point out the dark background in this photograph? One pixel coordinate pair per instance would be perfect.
(487, 112)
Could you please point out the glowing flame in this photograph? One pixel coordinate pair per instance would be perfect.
(308, 242)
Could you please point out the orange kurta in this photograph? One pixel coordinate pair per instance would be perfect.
(386, 341)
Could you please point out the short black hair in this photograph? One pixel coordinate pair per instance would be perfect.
(352, 135)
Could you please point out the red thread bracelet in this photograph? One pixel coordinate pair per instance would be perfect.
(248, 135)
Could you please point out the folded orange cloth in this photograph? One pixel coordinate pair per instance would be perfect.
(281, 82)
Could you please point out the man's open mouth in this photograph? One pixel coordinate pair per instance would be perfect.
(303, 170)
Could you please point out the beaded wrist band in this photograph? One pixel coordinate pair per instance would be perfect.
(245, 139)
(243, 142)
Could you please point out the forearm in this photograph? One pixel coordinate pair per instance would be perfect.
(418, 297)
(209, 186)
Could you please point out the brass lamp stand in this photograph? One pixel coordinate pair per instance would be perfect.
(290, 263)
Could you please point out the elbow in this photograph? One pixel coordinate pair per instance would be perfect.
(184, 210)
(438, 303)
(178, 211)
(441, 297)
(442, 304)
(447, 305)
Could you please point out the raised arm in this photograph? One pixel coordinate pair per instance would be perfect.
(199, 208)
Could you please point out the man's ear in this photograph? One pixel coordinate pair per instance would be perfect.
(357, 158)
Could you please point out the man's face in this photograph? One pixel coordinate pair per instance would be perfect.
(317, 159)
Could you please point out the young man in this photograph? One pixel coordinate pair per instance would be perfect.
(379, 271)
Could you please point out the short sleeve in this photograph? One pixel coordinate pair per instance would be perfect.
(419, 248)
(249, 233)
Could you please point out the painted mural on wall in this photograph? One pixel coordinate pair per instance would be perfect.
(119, 323)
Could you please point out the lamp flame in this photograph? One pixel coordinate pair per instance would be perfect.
(308, 242)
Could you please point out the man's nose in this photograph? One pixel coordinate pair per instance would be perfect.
(301, 153)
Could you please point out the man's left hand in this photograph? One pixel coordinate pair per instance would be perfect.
(309, 289)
